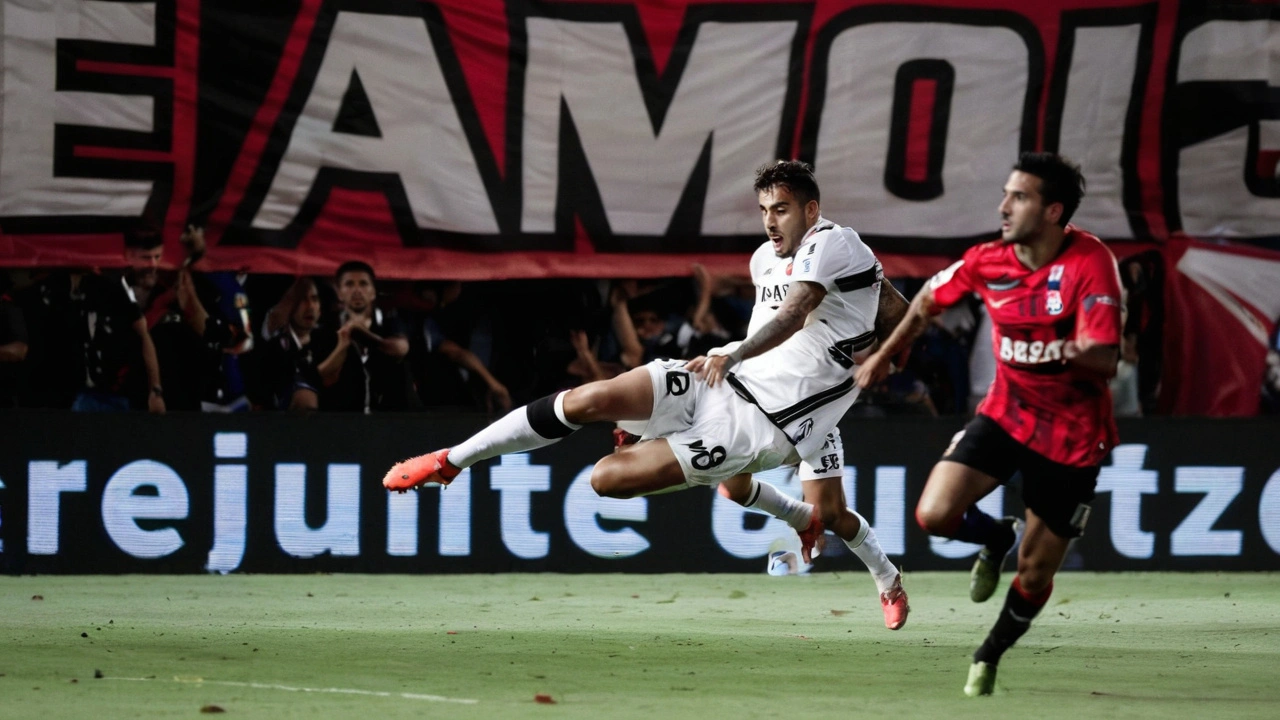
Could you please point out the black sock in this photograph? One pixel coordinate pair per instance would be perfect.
(1014, 621)
(980, 528)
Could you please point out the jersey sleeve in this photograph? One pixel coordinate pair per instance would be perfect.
(954, 283)
(826, 259)
(1098, 318)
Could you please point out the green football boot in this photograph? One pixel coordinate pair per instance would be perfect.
(982, 680)
(986, 569)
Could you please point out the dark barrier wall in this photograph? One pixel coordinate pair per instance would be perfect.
(274, 493)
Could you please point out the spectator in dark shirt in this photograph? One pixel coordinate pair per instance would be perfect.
(286, 376)
(198, 322)
(445, 371)
(93, 335)
(363, 367)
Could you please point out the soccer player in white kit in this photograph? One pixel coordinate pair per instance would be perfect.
(784, 388)
(828, 255)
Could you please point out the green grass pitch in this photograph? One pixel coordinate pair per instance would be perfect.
(658, 647)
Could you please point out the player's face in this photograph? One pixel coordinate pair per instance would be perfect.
(145, 263)
(786, 220)
(355, 291)
(1023, 213)
(307, 312)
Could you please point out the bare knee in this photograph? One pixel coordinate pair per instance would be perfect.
(607, 479)
(936, 519)
(586, 403)
(1034, 576)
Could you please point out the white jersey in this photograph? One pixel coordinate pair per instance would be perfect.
(805, 385)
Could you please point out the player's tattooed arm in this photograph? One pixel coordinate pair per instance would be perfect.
(802, 298)
(889, 314)
(893, 307)
(913, 324)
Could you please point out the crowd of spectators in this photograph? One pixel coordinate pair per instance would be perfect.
(157, 339)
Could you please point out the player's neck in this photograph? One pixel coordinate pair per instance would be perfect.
(1038, 252)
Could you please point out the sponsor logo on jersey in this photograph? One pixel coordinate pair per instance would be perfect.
(1030, 353)
(1053, 302)
(705, 459)
(777, 293)
(677, 383)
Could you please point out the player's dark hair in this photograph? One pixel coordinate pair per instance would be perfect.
(1060, 180)
(794, 175)
(351, 266)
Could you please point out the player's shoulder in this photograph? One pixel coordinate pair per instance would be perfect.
(987, 251)
(761, 259)
(1087, 248)
(839, 244)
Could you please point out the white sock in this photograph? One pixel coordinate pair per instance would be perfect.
(512, 433)
(778, 504)
(865, 545)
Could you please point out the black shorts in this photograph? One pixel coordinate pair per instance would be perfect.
(1059, 494)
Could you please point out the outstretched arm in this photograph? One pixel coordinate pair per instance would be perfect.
(802, 299)
(912, 326)
(1095, 358)
(893, 307)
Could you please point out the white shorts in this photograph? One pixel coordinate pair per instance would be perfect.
(714, 433)
(828, 462)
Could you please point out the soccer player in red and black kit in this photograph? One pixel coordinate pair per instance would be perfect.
(1053, 292)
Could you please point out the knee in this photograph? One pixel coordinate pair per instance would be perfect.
(606, 480)
(1034, 577)
(935, 520)
(833, 514)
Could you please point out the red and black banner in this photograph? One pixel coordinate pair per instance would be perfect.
(492, 139)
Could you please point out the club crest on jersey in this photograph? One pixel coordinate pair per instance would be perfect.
(1053, 302)
(1053, 297)
(789, 267)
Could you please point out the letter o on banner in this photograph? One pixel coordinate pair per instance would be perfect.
(1269, 512)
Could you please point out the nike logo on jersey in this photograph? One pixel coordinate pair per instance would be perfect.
(997, 304)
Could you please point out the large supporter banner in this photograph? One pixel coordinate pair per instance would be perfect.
(487, 138)
(194, 494)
